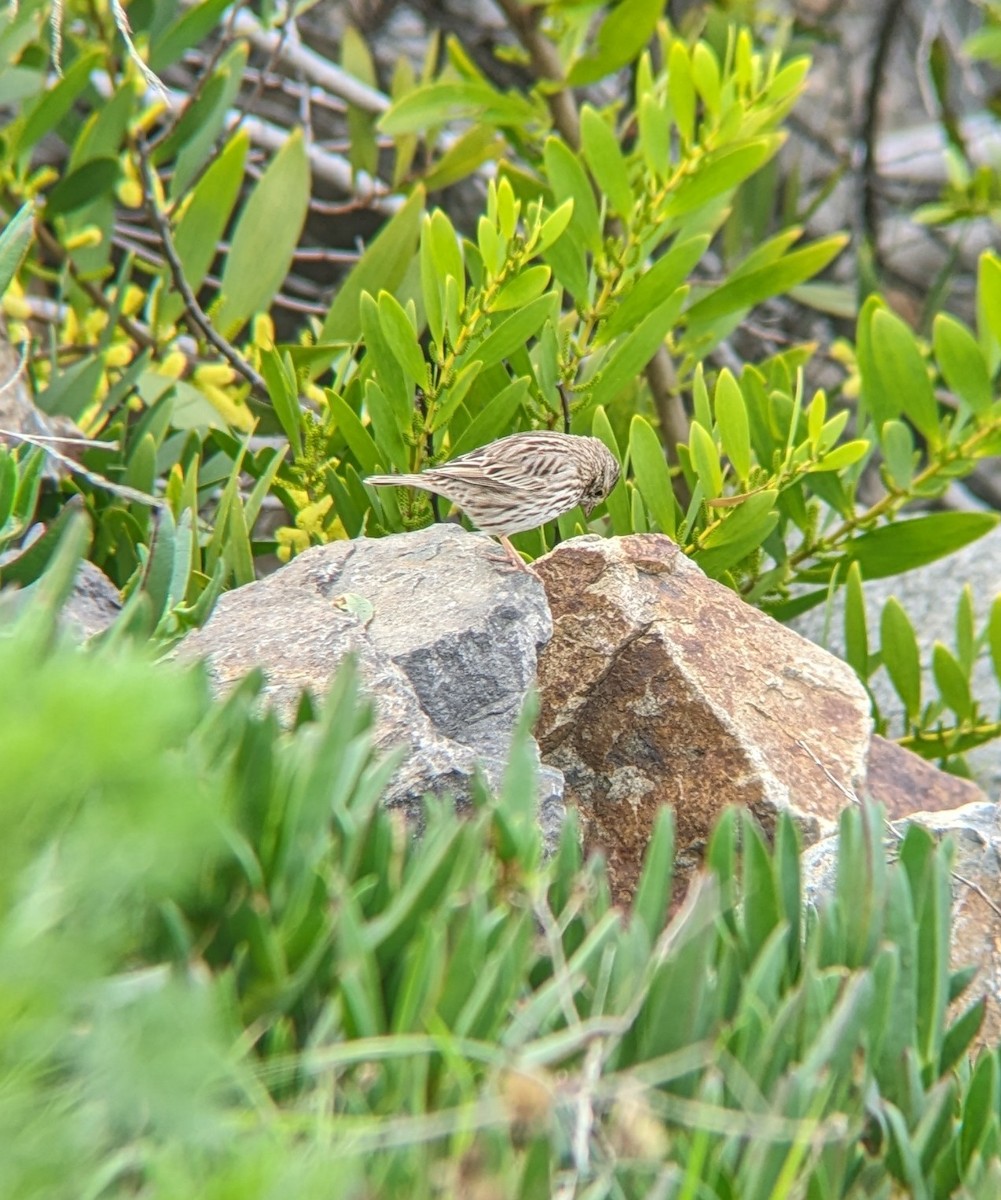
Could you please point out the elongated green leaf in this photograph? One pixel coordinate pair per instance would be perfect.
(962, 362)
(493, 418)
(349, 425)
(441, 103)
(14, 243)
(653, 287)
(989, 308)
(382, 266)
(54, 105)
(267, 233)
(705, 461)
(731, 417)
(279, 374)
(221, 90)
(91, 180)
(631, 355)
(569, 181)
(741, 531)
(719, 173)
(952, 681)
(650, 472)
(892, 549)
(747, 290)
(856, 626)
(204, 220)
(514, 331)
(899, 454)
(623, 33)
(402, 338)
(525, 287)
(899, 648)
(901, 368)
(601, 150)
(191, 27)
(994, 635)
(681, 91)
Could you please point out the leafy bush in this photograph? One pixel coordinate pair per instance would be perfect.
(226, 968)
(583, 298)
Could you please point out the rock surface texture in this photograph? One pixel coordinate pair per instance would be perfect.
(661, 686)
(446, 635)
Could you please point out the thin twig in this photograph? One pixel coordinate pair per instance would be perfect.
(524, 21)
(75, 468)
(195, 312)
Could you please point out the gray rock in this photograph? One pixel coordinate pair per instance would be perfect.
(445, 633)
(930, 596)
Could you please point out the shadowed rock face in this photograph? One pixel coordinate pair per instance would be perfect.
(445, 633)
(662, 686)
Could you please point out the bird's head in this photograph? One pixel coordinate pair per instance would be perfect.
(600, 475)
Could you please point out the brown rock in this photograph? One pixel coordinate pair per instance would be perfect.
(905, 783)
(661, 686)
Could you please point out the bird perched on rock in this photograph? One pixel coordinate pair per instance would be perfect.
(519, 482)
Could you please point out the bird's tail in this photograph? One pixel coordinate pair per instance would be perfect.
(396, 481)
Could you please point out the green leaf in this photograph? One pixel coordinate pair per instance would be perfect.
(845, 455)
(14, 243)
(283, 392)
(479, 144)
(994, 635)
(705, 76)
(349, 425)
(402, 338)
(899, 649)
(741, 531)
(525, 287)
(623, 33)
(455, 394)
(631, 355)
(25, 567)
(569, 181)
(856, 625)
(93, 179)
(54, 105)
(514, 331)
(266, 235)
(382, 266)
(653, 286)
(681, 91)
(952, 682)
(892, 549)
(746, 290)
(731, 417)
(221, 93)
(898, 452)
(900, 366)
(651, 474)
(655, 135)
(190, 28)
(719, 172)
(601, 150)
(961, 362)
(989, 308)
(554, 226)
(705, 461)
(443, 103)
(204, 221)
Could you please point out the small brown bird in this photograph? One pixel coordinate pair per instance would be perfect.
(519, 482)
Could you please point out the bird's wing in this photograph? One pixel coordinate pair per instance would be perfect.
(519, 470)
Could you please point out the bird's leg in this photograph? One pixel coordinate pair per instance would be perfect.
(512, 554)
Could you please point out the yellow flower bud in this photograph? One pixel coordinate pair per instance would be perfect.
(173, 365)
(129, 193)
(214, 374)
(90, 235)
(263, 330)
(118, 355)
(16, 307)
